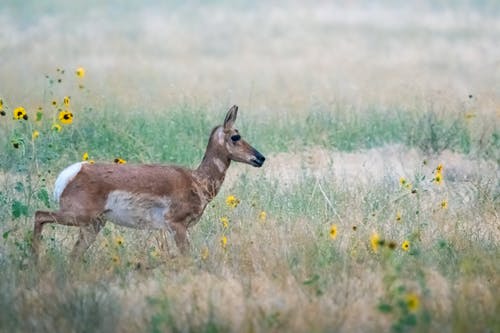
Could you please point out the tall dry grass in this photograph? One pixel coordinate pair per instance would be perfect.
(344, 99)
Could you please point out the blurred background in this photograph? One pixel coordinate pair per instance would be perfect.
(268, 56)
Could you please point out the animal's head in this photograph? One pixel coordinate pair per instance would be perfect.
(235, 146)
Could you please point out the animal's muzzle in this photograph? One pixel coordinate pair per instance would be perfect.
(258, 159)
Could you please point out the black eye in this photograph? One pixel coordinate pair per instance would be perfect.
(236, 137)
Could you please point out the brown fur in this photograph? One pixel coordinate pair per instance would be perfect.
(83, 200)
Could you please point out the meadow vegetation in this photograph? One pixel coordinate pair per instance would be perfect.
(377, 209)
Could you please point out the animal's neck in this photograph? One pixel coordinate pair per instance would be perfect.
(211, 172)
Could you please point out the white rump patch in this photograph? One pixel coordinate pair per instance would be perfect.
(137, 210)
(64, 178)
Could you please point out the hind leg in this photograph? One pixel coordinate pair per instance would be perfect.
(59, 217)
(44, 217)
(88, 235)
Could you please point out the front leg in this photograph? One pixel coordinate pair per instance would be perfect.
(180, 236)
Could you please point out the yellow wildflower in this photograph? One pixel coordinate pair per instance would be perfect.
(412, 302)
(204, 253)
(398, 216)
(66, 117)
(402, 181)
(439, 168)
(56, 127)
(80, 72)
(119, 160)
(444, 204)
(223, 242)
(262, 216)
(232, 201)
(438, 178)
(66, 100)
(54, 103)
(35, 135)
(375, 242)
(20, 113)
(225, 221)
(115, 259)
(333, 231)
(85, 156)
(119, 240)
(406, 245)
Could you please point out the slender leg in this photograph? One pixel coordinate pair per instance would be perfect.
(88, 235)
(43, 217)
(59, 217)
(180, 236)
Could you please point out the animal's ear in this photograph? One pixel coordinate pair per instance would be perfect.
(231, 117)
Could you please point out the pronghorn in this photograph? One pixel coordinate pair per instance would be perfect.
(145, 196)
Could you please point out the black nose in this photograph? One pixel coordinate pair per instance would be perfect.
(260, 157)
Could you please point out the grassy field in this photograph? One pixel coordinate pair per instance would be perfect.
(377, 208)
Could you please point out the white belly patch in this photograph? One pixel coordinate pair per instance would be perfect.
(135, 210)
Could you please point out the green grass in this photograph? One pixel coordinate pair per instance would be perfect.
(291, 251)
(179, 135)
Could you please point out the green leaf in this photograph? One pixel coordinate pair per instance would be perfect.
(410, 320)
(19, 209)
(39, 116)
(6, 234)
(43, 196)
(385, 308)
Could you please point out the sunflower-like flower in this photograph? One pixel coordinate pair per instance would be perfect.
(263, 216)
(444, 204)
(65, 117)
(225, 221)
(398, 216)
(232, 201)
(412, 302)
(438, 178)
(333, 231)
(375, 242)
(406, 245)
(35, 135)
(20, 113)
(80, 72)
(119, 160)
(223, 242)
(119, 241)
